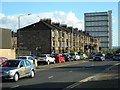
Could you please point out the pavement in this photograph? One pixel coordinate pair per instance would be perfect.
(108, 79)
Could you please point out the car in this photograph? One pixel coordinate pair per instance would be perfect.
(46, 58)
(15, 69)
(58, 58)
(34, 56)
(99, 57)
(91, 55)
(116, 57)
(75, 55)
(30, 58)
(67, 57)
(109, 56)
(83, 56)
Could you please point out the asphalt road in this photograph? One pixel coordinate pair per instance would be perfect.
(60, 76)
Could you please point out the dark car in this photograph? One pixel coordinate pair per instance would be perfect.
(67, 56)
(116, 57)
(98, 57)
(109, 56)
(90, 56)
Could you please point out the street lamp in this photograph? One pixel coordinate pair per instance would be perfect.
(19, 19)
(19, 27)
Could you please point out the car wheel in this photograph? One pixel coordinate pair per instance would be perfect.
(59, 61)
(16, 77)
(32, 74)
(48, 62)
(53, 62)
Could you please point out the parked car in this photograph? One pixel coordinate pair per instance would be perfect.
(109, 56)
(2, 59)
(99, 57)
(67, 56)
(83, 56)
(30, 58)
(34, 56)
(75, 55)
(46, 58)
(116, 57)
(17, 68)
(90, 56)
(59, 58)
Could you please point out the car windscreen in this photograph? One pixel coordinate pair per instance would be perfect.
(72, 54)
(42, 56)
(10, 63)
(21, 58)
(117, 55)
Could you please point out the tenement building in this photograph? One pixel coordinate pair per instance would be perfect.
(49, 37)
(99, 24)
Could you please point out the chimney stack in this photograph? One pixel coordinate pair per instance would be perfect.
(64, 25)
(48, 20)
(56, 24)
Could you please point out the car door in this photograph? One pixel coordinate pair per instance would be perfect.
(28, 67)
(22, 69)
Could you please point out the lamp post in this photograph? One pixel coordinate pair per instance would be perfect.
(19, 28)
(19, 19)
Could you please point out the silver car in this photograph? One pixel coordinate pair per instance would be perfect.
(17, 68)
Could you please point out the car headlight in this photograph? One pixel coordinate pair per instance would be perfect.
(10, 72)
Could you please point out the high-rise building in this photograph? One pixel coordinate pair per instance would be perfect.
(99, 24)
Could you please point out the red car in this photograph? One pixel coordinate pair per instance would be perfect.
(59, 58)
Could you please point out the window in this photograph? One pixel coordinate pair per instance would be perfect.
(53, 34)
(22, 64)
(27, 63)
(30, 58)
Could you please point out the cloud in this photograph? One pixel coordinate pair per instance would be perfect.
(68, 18)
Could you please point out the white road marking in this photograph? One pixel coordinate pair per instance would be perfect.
(50, 77)
(15, 86)
(87, 79)
(112, 66)
(78, 83)
(70, 71)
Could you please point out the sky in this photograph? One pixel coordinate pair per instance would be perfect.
(70, 13)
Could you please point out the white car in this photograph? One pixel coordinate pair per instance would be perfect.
(17, 68)
(29, 58)
(46, 58)
(75, 55)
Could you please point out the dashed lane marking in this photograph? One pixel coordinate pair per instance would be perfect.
(50, 77)
(15, 86)
(78, 83)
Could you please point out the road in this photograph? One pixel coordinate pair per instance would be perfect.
(60, 76)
